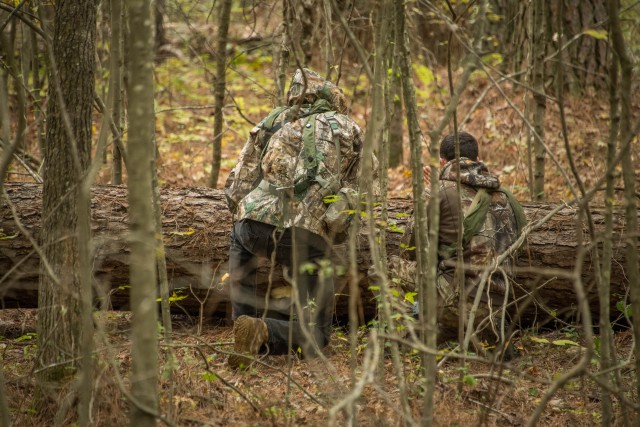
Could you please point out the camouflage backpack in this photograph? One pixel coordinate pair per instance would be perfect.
(476, 215)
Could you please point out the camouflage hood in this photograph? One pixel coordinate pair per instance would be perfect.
(316, 88)
(472, 173)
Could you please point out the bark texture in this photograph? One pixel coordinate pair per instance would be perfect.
(196, 226)
(66, 157)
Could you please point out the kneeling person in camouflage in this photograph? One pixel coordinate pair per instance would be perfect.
(493, 220)
(294, 158)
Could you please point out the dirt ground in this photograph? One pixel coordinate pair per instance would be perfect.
(198, 389)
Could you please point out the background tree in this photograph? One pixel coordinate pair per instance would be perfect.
(144, 350)
(116, 89)
(537, 153)
(626, 135)
(394, 97)
(219, 88)
(66, 158)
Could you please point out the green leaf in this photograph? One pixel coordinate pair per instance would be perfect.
(174, 297)
(624, 308)
(493, 59)
(539, 340)
(409, 297)
(469, 380)
(393, 228)
(209, 376)
(189, 232)
(564, 342)
(25, 337)
(597, 34)
(331, 198)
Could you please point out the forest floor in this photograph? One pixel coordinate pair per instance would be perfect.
(199, 389)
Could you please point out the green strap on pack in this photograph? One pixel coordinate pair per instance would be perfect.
(518, 210)
(309, 149)
(267, 122)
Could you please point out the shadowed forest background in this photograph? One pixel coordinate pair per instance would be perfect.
(120, 121)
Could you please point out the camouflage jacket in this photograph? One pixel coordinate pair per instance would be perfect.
(265, 183)
(493, 237)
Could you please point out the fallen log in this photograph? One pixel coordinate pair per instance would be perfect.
(196, 226)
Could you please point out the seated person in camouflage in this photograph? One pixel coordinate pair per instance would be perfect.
(294, 158)
(492, 221)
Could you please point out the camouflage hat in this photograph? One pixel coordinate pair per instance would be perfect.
(316, 88)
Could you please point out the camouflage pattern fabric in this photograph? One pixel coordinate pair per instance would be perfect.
(307, 86)
(262, 185)
(497, 233)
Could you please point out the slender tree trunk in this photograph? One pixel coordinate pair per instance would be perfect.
(377, 133)
(66, 158)
(219, 89)
(160, 33)
(426, 287)
(144, 351)
(7, 53)
(37, 87)
(536, 137)
(19, 86)
(5, 120)
(116, 70)
(328, 50)
(8, 149)
(394, 101)
(607, 348)
(628, 175)
(305, 17)
(283, 55)
(5, 421)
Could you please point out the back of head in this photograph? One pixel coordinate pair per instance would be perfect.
(468, 146)
(307, 86)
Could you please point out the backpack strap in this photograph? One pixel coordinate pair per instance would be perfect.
(309, 154)
(309, 148)
(474, 217)
(516, 207)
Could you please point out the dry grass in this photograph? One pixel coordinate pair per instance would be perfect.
(201, 390)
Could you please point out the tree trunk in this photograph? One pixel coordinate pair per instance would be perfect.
(196, 226)
(219, 89)
(144, 341)
(628, 174)
(67, 156)
(116, 65)
(536, 135)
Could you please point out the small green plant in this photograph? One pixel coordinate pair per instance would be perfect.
(26, 337)
(624, 308)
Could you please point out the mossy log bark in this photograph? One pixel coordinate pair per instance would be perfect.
(196, 226)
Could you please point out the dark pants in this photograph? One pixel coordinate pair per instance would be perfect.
(251, 240)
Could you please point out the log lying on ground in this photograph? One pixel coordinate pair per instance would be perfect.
(196, 226)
